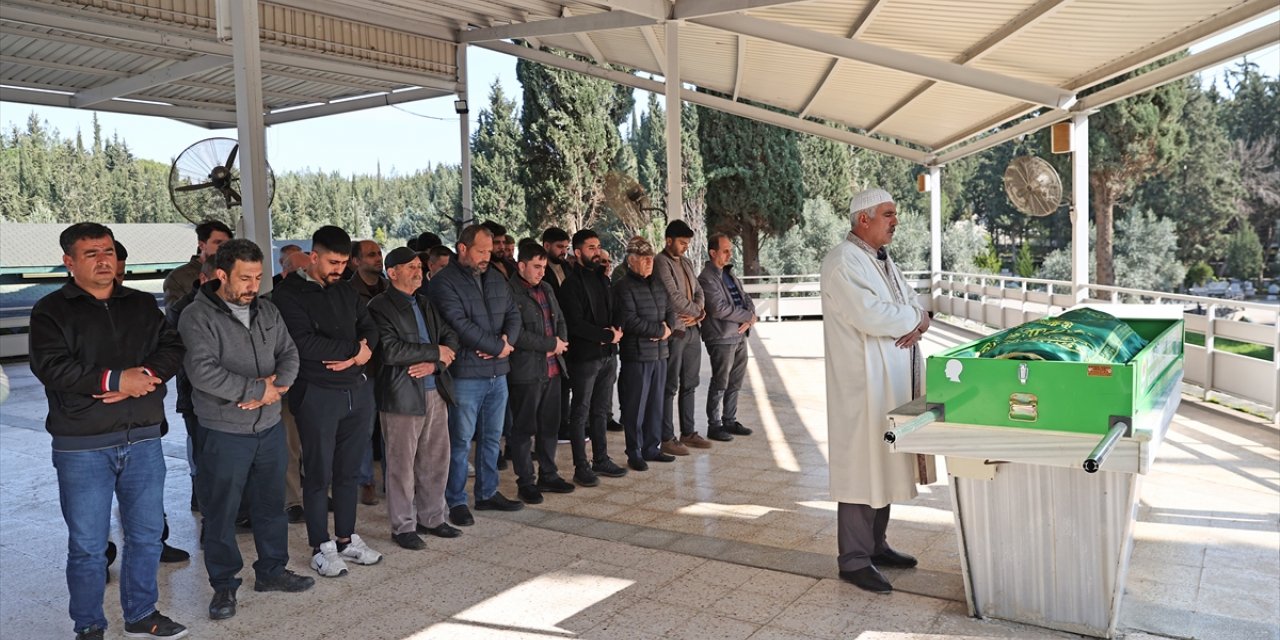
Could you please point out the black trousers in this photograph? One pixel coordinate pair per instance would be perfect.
(640, 388)
(334, 426)
(861, 534)
(253, 465)
(536, 428)
(592, 382)
(683, 368)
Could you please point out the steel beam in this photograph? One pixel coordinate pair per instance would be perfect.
(887, 58)
(467, 215)
(50, 99)
(675, 164)
(739, 68)
(155, 77)
(859, 26)
(651, 39)
(1080, 206)
(558, 26)
(346, 106)
(657, 9)
(935, 232)
(689, 9)
(250, 128)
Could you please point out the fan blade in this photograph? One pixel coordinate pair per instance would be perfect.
(193, 187)
(234, 195)
(231, 157)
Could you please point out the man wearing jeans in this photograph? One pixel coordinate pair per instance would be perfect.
(475, 301)
(240, 361)
(332, 399)
(103, 353)
(730, 315)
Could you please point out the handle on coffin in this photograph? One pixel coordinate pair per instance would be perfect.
(1105, 446)
(928, 417)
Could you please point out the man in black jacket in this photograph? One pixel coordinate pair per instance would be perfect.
(414, 388)
(592, 359)
(640, 307)
(476, 302)
(332, 399)
(103, 353)
(537, 373)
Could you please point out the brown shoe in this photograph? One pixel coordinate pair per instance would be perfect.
(696, 441)
(674, 448)
(368, 495)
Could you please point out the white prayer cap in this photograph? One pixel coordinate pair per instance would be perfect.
(867, 199)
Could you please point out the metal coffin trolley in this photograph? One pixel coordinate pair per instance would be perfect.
(1045, 459)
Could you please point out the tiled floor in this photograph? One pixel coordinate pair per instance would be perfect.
(734, 542)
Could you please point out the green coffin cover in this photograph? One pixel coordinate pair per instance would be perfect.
(1079, 335)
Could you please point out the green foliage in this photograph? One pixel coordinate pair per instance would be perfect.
(989, 260)
(1024, 265)
(800, 250)
(1146, 255)
(910, 248)
(570, 142)
(496, 159)
(1199, 274)
(755, 186)
(825, 165)
(1244, 255)
(966, 248)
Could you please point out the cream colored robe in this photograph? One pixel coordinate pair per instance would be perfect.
(867, 376)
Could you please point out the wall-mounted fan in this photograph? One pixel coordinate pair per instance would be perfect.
(625, 197)
(1033, 186)
(204, 182)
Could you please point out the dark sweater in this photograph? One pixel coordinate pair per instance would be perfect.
(327, 324)
(587, 302)
(640, 307)
(79, 345)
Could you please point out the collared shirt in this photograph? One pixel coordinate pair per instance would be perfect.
(548, 328)
(428, 382)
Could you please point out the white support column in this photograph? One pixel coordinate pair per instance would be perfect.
(935, 235)
(675, 173)
(251, 130)
(1080, 206)
(464, 127)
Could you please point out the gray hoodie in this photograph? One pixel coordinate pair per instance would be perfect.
(226, 361)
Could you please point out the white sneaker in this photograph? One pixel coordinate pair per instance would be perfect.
(359, 552)
(328, 563)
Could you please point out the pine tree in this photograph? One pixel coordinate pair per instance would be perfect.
(496, 159)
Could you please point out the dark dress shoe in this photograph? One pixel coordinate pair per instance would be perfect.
(637, 464)
(586, 477)
(460, 516)
(737, 429)
(614, 425)
(295, 514)
(498, 502)
(609, 469)
(868, 579)
(286, 581)
(442, 530)
(719, 434)
(662, 457)
(895, 559)
(223, 605)
(244, 524)
(528, 493)
(173, 554)
(555, 484)
(409, 540)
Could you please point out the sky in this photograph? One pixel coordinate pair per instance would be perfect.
(402, 138)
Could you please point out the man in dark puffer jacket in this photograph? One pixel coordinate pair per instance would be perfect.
(640, 308)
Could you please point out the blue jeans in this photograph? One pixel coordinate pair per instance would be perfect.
(87, 480)
(481, 406)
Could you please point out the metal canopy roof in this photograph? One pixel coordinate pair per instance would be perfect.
(932, 74)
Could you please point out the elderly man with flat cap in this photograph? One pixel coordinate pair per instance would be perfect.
(872, 325)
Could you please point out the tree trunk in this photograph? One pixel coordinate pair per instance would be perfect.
(750, 250)
(1104, 223)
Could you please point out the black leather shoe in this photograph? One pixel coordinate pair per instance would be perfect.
(867, 579)
(223, 605)
(498, 502)
(719, 434)
(555, 484)
(442, 530)
(460, 516)
(173, 554)
(528, 493)
(287, 581)
(244, 525)
(637, 464)
(891, 558)
(737, 429)
(586, 477)
(608, 469)
(295, 514)
(614, 425)
(409, 540)
(662, 457)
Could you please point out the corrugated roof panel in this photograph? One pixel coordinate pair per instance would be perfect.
(708, 57)
(832, 17)
(628, 46)
(857, 93)
(943, 112)
(937, 29)
(781, 75)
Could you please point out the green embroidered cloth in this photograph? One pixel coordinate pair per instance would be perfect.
(1079, 335)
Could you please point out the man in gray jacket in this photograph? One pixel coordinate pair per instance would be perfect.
(240, 361)
(684, 296)
(730, 314)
